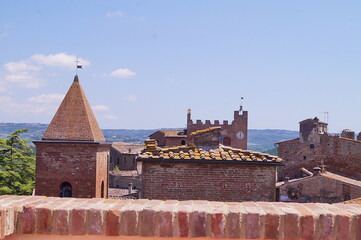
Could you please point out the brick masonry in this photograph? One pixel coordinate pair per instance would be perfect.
(84, 218)
(233, 134)
(314, 148)
(82, 165)
(215, 182)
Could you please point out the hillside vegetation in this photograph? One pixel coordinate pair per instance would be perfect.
(258, 140)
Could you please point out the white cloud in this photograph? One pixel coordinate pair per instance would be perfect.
(58, 60)
(24, 79)
(20, 66)
(110, 117)
(47, 98)
(130, 98)
(115, 14)
(9, 105)
(122, 73)
(100, 108)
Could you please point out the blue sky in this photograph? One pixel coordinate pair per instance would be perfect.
(146, 62)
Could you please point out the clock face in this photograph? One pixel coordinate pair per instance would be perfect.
(240, 135)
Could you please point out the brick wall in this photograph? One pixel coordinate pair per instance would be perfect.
(338, 154)
(24, 217)
(229, 130)
(82, 165)
(175, 141)
(215, 182)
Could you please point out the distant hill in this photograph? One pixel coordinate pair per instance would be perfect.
(258, 140)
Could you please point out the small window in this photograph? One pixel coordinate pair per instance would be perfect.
(312, 146)
(227, 141)
(304, 157)
(65, 190)
(102, 190)
(183, 142)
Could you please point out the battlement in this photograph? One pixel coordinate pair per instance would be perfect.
(238, 116)
(26, 217)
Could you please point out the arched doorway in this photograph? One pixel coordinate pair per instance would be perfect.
(183, 142)
(227, 141)
(102, 190)
(66, 190)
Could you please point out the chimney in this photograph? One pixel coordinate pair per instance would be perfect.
(287, 179)
(130, 188)
(316, 171)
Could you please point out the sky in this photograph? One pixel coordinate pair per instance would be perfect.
(146, 62)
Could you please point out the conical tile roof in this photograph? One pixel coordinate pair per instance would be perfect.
(74, 119)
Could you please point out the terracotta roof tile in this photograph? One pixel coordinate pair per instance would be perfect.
(74, 119)
(191, 152)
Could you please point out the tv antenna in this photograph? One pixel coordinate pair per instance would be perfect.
(325, 115)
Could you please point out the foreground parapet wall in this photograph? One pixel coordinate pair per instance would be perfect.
(23, 217)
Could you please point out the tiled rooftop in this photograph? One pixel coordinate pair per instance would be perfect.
(128, 148)
(205, 130)
(327, 174)
(341, 178)
(190, 152)
(174, 133)
(74, 119)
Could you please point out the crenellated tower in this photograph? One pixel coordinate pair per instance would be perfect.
(233, 134)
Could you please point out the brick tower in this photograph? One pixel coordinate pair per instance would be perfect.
(72, 157)
(234, 134)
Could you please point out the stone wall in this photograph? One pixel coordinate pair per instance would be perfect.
(23, 217)
(215, 182)
(82, 165)
(320, 189)
(117, 180)
(125, 161)
(340, 155)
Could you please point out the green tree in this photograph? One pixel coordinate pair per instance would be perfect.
(17, 165)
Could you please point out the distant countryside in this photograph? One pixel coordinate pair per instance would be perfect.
(258, 140)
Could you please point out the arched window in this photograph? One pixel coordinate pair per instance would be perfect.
(65, 190)
(183, 142)
(227, 141)
(102, 190)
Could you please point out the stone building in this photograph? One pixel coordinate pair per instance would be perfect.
(72, 156)
(188, 172)
(170, 137)
(321, 186)
(315, 146)
(233, 134)
(123, 155)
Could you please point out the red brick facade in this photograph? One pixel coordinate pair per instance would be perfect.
(316, 147)
(72, 158)
(26, 217)
(83, 165)
(233, 134)
(213, 182)
(169, 137)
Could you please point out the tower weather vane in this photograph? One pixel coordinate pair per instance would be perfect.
(77, 66)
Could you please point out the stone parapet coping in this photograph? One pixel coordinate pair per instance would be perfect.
(32, 217)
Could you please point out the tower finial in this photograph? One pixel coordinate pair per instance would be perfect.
(77, 66)
(241, 107)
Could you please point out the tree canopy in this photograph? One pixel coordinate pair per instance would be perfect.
(17, 165)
